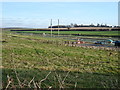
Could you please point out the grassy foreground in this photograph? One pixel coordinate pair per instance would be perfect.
(32, 61)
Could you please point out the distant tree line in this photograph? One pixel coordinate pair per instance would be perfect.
(60, 26)
(116, 26)
(92, 25)
(76, 25)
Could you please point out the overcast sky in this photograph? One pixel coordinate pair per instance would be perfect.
(38, 14)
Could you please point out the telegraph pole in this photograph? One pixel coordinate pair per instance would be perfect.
(51, 27)
(58, 27)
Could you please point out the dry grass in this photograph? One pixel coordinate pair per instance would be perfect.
(38, 62)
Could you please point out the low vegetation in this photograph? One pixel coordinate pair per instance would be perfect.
(105, 33)
(42, 62)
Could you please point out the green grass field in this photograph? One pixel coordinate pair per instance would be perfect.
(112, 33)
(32, 61)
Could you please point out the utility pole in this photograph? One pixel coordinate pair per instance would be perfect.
(58, 27)
(51, 27)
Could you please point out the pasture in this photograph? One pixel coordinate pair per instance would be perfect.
(46, 62)
(101, 33)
